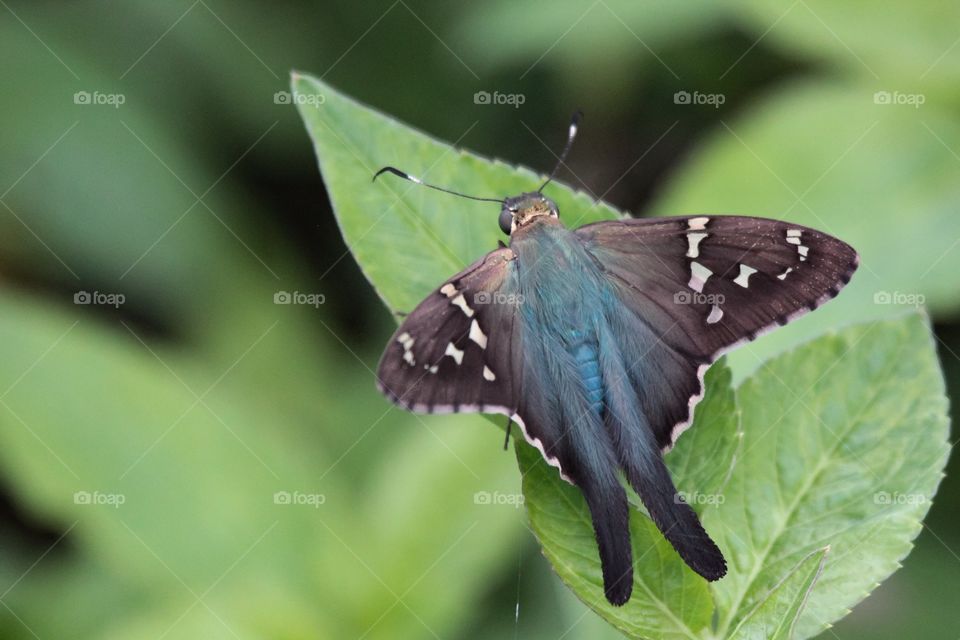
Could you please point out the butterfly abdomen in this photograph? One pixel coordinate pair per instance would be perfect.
(588, 368)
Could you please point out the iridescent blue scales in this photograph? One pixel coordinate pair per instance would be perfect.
(595, 342)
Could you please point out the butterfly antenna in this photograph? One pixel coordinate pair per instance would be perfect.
(574, 124)
(416, 180)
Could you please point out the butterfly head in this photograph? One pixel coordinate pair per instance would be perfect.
(521, 210)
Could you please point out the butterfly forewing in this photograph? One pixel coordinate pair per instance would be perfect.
(702, 285)
(454, 352)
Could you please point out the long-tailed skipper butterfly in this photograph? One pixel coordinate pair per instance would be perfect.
(595, 341)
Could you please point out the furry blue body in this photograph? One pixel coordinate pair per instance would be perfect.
(564, 301)
(574, 357)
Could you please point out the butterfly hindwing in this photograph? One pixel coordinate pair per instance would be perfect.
(702, 285)
(461, 350)
(454, 352)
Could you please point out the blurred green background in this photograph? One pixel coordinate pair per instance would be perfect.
(181, 457)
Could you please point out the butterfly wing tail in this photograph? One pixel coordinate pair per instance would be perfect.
(674, 517)
(574, 440)
(610, 514)
(642, 463)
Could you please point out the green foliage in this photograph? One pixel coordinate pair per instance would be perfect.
(813, 475)
(197, 482)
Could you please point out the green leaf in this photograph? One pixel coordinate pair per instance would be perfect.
(775, 614)
(845, 440)
(406, 238)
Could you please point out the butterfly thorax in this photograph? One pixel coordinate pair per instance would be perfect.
(563, 304)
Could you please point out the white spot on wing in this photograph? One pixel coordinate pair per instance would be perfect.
(461, 302)
(477, 335)
(454, 353)
(793, 237)
(698, 224)
(488, 375)
(693, 240)
(715, 314)
(406, 340)
(698, 276)
(744, 278)
(783, 276)
(448, 290)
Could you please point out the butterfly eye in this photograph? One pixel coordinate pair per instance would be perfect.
(506, 220)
